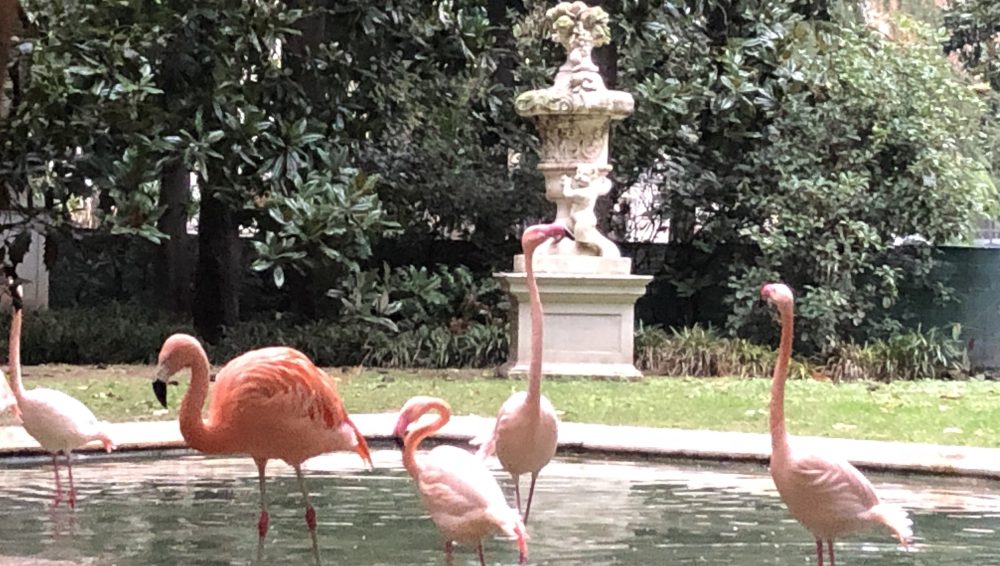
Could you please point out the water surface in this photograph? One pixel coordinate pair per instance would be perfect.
(179, 508)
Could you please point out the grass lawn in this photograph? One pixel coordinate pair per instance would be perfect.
(966, 413)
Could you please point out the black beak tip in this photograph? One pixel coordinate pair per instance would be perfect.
(567, 234)
(160, 390)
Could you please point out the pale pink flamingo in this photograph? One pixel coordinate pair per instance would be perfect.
(461, 495)
(829, 496)
(268, 403)
(527, 429)
(7, 399)
(57, 421)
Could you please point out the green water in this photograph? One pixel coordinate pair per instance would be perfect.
(186, 509)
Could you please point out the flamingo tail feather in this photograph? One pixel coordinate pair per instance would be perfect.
(896, 519)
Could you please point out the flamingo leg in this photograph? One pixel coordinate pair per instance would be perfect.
(531, 493)
(517, 490)
(819, 552)
(829, 544)
(72, 490)
(55, 470)
(479, 552)
(448, 558)
(264, 519)
(310, 513)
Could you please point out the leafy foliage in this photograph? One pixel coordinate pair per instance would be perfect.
(973, 43)
(327, 224)
(415, 317)
(129, 333)
(423, 110)
(700, 352)
(784, 140)
(402, 317)
(789, 142)
(911, 355)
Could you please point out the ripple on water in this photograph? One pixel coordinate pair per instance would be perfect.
(198, 510)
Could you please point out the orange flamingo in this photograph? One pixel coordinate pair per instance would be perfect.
(57, 421)
(527, 429)
(461, 495)
(268, 403)
(829, 496)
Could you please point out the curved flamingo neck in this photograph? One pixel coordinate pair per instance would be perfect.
(535, 364)
(415, 437)
(192, 426)
(16, 383)
(779, 436)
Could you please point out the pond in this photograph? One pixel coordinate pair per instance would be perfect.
(181, 508)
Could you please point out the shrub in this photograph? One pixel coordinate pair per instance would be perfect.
(111, 334)
(403, 317)
(700, 352)
(419, 317)
(914, 354)
(329, 343)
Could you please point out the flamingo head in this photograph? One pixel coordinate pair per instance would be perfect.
(777, 293)
(178, 352)
(15, 289)
(533, 236)
(412, 410)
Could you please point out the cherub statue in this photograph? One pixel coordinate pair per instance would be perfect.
(582, 191)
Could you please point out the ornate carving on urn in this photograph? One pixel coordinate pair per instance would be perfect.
(573, 118)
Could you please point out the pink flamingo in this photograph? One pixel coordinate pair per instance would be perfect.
(829, 496)
(527, 429)
(7, 400)
(57, 421)
(268, 403)
(461, 495)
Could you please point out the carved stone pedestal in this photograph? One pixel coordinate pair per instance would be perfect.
(589, 315)
(588, 294)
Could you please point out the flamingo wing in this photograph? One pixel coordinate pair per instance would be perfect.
(275, 403)
(7, 400)
(462, 496)
(280, 379)
(505, 417)
(836, 488)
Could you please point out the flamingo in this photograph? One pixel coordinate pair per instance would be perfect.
(57, 421)
(829, 496)
(7, 400)
(460, 493)
(268, 403)
(527, 429)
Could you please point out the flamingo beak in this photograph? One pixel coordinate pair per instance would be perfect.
(765, 293)
(160, 385)
(362, 447)
(567, 234)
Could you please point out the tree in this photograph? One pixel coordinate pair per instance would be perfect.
(788, 141)
(10, 25)
(174, 261)
(430, 109)
(126, 96)
(973, 26)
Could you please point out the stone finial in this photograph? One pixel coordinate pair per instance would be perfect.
(579, 28)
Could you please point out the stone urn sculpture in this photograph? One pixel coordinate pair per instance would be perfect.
(586, 286)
